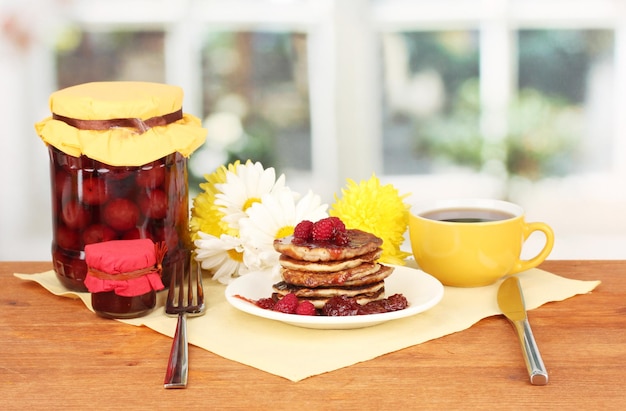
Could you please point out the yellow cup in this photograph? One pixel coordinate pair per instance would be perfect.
(473, 242)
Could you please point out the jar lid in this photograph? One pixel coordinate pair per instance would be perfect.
(127, 267)
(121, 123)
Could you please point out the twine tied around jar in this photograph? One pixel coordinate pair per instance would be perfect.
(159, 250)
(138, 124)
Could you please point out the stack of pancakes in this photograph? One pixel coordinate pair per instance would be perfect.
(318, 271)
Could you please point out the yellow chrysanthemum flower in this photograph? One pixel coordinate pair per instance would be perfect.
(377, 209)
(205, 215)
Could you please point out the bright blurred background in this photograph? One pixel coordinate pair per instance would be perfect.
(514, 99)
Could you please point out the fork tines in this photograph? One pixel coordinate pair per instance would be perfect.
(189, 283)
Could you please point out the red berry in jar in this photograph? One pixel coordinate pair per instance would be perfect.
(63, 184)
(121, 214)
(117, 173)
(172, 240)
(123, 187)
(167, 234)
(153, 204)
(75, 215)
(67, 238)
(97, 233)
(94, 191)
(151, 176)
(133, 234)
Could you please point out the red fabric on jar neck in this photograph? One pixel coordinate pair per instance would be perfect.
(117, 258)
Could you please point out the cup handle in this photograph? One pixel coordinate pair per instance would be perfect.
(529, 228)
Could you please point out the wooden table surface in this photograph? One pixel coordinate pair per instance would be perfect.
(56, 354)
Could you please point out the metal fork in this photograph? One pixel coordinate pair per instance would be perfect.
(178, 305)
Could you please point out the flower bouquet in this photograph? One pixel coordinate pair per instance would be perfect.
(243, 208)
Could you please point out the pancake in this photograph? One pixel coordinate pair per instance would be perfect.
(319, 296)
(326, 266)
(366, 273)
(360, 243)
(284, 288)
(317, 271)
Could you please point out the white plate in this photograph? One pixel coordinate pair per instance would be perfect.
(421, 290)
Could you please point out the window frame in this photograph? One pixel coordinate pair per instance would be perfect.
(344, 101)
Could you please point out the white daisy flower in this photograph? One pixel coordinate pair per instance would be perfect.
(245, 187)
(275, 217)
(222, 256)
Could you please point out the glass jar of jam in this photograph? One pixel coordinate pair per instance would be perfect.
(118, 171)
(123, 276)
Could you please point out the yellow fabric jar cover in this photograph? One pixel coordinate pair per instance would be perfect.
(121, 145)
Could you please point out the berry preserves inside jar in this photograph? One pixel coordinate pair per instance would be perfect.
(94, 202)
(110, 305)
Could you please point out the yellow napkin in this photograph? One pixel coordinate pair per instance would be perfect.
(265, 344)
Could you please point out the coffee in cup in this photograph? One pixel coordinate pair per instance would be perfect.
(473, 242)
